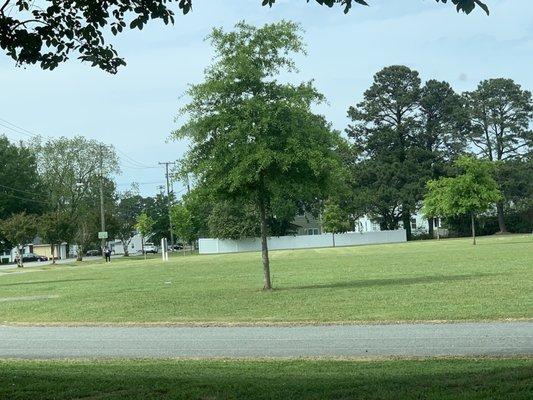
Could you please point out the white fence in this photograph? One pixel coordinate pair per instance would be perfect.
(214, 246)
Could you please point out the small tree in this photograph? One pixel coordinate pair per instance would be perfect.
(55, 228)
(19, 229)
(472, 192)
(334, 219)
(144, 225)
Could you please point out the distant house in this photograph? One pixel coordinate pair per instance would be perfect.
(307, 225)
(419, 225)
(39, 248)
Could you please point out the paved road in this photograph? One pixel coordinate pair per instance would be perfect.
(465, 339)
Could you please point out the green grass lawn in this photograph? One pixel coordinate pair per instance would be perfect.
(398, 379)
(416, 281)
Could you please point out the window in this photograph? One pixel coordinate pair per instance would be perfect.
(313, 231)
(436, 222)
(413, 223)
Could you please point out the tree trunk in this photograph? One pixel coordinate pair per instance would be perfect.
(501, 220)
(264, 247)
(20, 261)
(79, 253)
(333, 239)
(472, 219)
(126, 248)
(142, 247)
(431, 229)
(53, 249)
(407, 224)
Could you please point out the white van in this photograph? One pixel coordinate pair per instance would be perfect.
(150, 248)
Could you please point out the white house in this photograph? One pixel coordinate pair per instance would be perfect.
(419, 225)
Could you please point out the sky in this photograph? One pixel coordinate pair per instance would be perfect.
(135, 109)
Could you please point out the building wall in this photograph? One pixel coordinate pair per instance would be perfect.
(214, 246)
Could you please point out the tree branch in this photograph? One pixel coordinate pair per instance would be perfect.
(4, 6)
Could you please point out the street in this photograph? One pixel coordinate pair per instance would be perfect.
(402, 340)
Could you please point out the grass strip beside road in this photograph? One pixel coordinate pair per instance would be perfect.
(291, 379)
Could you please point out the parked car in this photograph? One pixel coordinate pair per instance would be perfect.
(177, 246)
(30, 257)
(150, 248)
(92, 253)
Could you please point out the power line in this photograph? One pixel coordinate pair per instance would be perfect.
(135, 162)
(25, 198)
(27, 132)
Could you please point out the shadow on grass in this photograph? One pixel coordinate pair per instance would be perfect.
(390, 282)
(414, 379)
(44, 282)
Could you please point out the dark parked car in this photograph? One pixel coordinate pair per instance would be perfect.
(177, 246)
(92, 253)
(30, 257)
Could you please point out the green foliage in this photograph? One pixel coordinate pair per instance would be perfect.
(129, 207)
(335, 219)
(501, 113)
(145, 224)
(72, 169)
(56, 227)
(20, 229)
(234, 220)
(49, 32)
(474, 191)
(394, 162)
(190, 216)
(253, 137)
(20, 184)
(156, 208)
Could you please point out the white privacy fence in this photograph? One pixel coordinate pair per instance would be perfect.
(214, 246)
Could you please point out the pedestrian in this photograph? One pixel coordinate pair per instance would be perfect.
(107, 253)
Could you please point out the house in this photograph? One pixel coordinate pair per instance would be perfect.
(419, 225)
(307, 225)
(39, 248)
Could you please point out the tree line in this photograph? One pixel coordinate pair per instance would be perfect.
(51, 189)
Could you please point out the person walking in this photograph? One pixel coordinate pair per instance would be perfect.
(107, 253)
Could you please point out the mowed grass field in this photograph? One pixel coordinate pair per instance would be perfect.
(417, 281)
(399, 379)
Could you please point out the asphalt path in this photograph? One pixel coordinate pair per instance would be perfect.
(402, 340)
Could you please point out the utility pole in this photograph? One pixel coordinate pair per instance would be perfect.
(102, 211)
(166, 164)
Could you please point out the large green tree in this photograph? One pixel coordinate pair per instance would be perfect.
(471, 192)
(386, 131)
(49, 31)
(72, 170)
(501, 114)
(20, 184)
(253, 137)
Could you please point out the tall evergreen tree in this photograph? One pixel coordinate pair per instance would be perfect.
(501, 114)
(387, 131)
